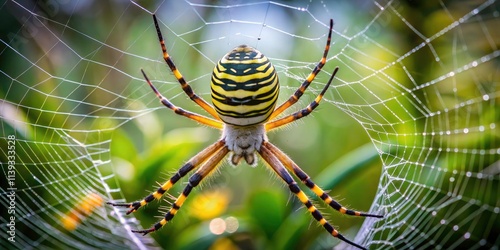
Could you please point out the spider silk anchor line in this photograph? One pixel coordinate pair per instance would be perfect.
(244, 89)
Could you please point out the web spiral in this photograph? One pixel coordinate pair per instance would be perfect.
(421, 80)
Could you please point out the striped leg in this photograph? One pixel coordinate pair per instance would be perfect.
(303, 112)
(199, 118)
(185, 86)
(278, 167)
(194, 180)
(190, 165)
(291, 166)
(300, 91)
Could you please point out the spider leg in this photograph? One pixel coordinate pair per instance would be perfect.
(199, 118)
(194, 180)
(185, 169)
(185, 86)
(293, 167)
(272, 161)
(300, 91)
(303, 112)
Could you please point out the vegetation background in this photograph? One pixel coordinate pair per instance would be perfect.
(150, 143)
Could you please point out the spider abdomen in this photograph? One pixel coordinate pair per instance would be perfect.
(244, 87)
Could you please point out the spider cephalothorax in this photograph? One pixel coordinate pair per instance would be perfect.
(243, 142)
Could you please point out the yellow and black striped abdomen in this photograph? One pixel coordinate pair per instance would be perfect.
(244, 87)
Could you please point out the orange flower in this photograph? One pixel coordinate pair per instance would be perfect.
(71, 220)
(210, 204)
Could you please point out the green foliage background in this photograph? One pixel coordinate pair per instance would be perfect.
(331, 146)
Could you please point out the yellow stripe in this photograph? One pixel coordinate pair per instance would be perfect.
(173, 211)
(163, 222)
(302, 197)
(310, 78)
(260, 68)
(328, 199)
(343, 210)
(318, 98)
(245, 78)
(317, 190)
(322, 221)
(241, 93)
(241, 108)
(167, 185)
(245, 108)
(143, 202)
(253, 61)
(263, 86)
(180, 200)
(177, 74)
(157, 195)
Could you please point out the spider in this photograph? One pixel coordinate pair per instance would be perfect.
(244, 89)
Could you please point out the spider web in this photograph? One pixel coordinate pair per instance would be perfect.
(421, 81)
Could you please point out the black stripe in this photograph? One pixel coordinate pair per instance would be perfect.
(195, 179)
(182, 172)
(168, 217)
(239, 53)
(324, 196)
(243, 68)
(252, 113)
(248, 100)
(187, 89)
(294, 188)
(187, 190)
(302, 113)
(253, 84)
(149, 198)
(309, 183)
(308, 204)
(176, 177)
(328, 227)
(335, 205)
(160, 190)
(317, 215)
(302, 176)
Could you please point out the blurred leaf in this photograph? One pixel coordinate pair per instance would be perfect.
(268, 210)
(122, 146)
(351, 164)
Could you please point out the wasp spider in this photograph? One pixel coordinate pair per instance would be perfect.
(244, 89)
